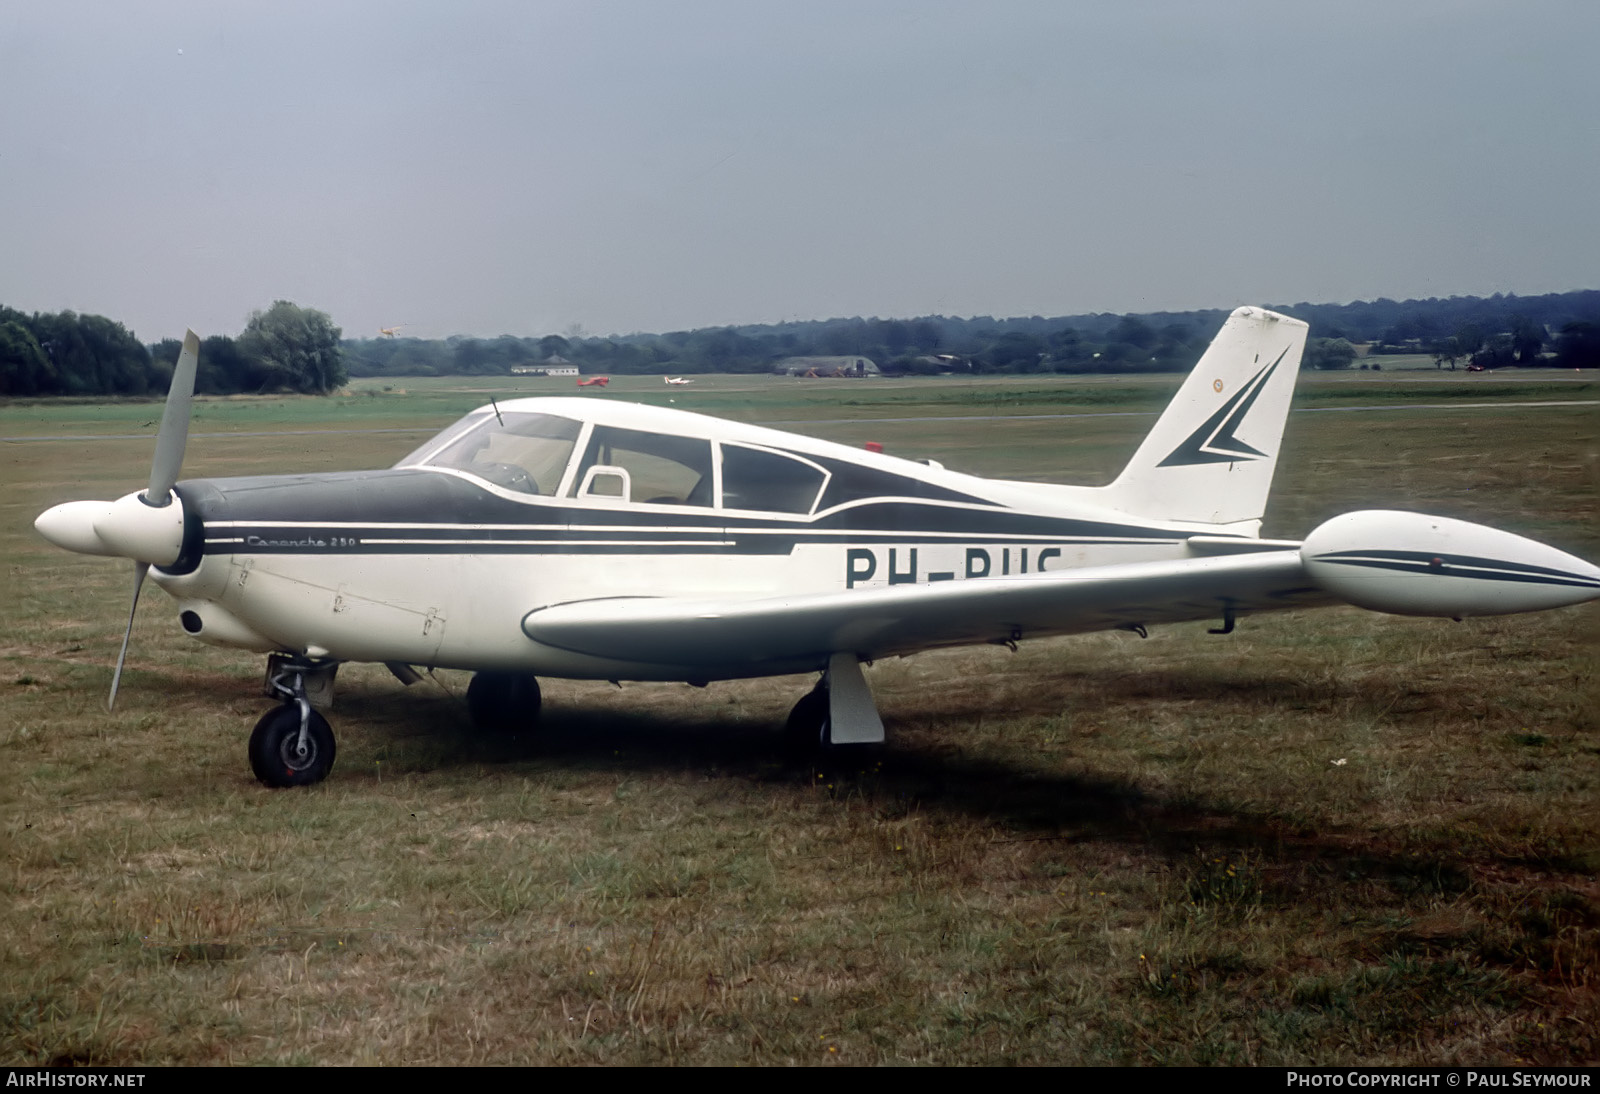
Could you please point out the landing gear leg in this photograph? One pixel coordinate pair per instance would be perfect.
(292, 745)
(838, 711)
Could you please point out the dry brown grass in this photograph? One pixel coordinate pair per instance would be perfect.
(1098, 850)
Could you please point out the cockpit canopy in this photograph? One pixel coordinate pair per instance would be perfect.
(553, 456)
(537, 453)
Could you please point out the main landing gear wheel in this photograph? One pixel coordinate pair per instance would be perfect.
(281, 755)
(807, 733)
(504, 702)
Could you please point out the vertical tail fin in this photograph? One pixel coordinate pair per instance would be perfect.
(1211, 456)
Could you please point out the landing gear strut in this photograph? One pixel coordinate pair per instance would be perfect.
(838, 711)
(293, 745)
(504, 702)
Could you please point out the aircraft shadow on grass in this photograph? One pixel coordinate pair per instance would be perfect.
(1184, 826)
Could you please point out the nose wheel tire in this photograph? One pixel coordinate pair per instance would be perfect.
(278, 756)
(504, 702)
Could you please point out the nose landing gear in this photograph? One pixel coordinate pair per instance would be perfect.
(293, 745)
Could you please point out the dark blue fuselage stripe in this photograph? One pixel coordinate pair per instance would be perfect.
(389, 542)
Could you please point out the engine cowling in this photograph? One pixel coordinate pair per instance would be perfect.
(1414, 564)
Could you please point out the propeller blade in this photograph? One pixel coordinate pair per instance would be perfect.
(171, 440)
(174, 435)
(139, 570)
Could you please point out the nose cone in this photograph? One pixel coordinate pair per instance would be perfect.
(129, 527)
(72, 526)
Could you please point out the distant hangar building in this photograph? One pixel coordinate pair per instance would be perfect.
(827, 366)
(554, 365)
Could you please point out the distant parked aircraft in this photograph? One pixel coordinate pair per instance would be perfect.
(595, 381)
(678, 380)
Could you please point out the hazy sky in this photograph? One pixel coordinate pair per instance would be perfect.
(524, 167)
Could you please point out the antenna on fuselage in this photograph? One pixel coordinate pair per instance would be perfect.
(497, 417)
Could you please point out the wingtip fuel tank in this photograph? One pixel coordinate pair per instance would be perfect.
(1413, 564)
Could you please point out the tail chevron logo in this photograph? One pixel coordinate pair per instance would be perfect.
(1215, 440)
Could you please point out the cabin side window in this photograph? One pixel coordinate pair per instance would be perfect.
(753, 478)
(654, 468)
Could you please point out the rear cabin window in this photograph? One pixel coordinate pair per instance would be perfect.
(653, 468)
(766, 481)
(852, 482)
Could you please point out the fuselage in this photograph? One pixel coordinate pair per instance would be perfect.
(548, 501)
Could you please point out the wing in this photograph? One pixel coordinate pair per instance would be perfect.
(728, 638)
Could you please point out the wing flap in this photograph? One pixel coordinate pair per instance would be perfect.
(739, 637)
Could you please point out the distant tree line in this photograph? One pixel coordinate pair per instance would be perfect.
(285, 348)
(69, 354)
(289, 348)
(898, 346)
(1500, 331)
(1560, 328)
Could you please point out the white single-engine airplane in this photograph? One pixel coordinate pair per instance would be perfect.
(598, 540)
(678, 380)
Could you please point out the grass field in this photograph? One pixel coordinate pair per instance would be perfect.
(1330, 837)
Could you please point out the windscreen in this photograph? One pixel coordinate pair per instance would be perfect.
(519, 451)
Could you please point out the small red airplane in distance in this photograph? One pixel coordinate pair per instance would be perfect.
(595, 381)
